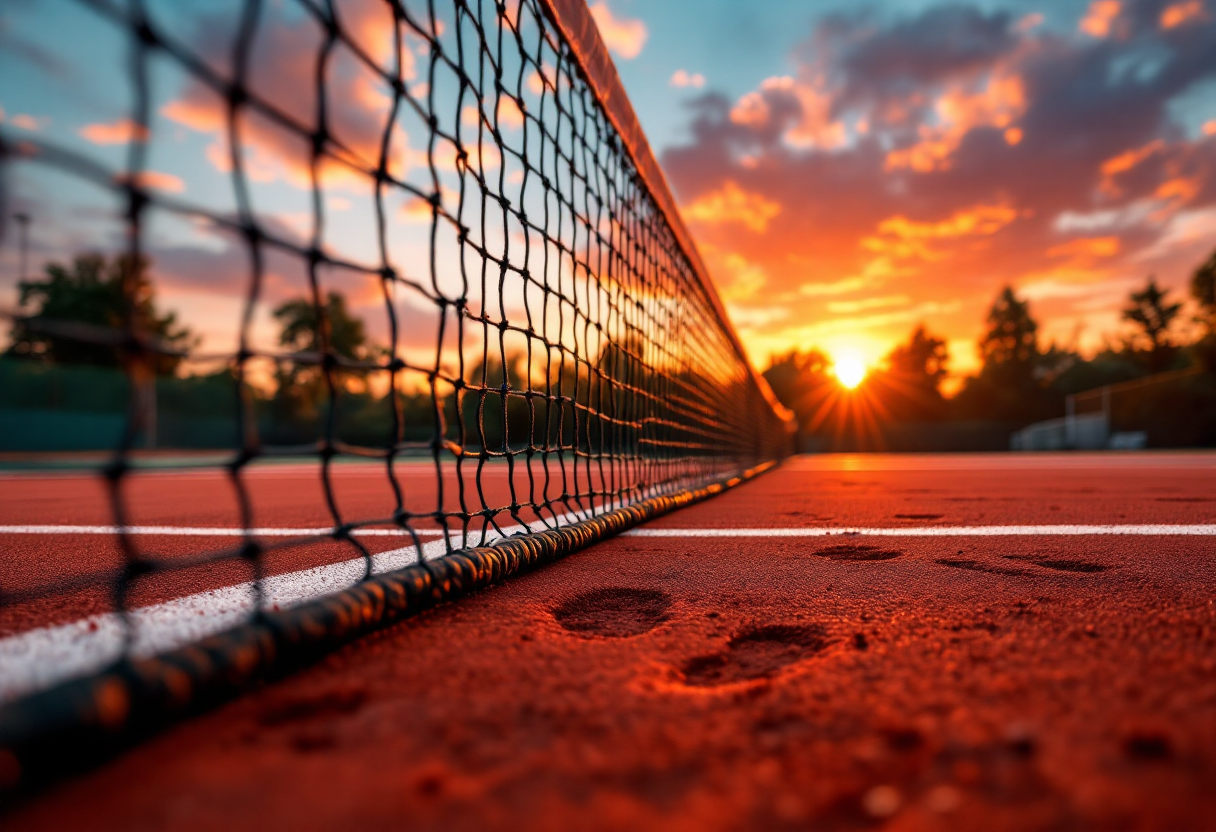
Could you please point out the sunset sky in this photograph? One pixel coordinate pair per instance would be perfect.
(849, 170)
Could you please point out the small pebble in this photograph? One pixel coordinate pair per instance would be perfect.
(944, 799)
(882, 801)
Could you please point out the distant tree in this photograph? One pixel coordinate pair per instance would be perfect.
(1149, 310)
(1010, 343)
(795, 377)
(921, 361)
(301, 384)
(803, 382)
(301, 329)
(97, 292)
(1203, 290)
(910, 386)
(1007, 388)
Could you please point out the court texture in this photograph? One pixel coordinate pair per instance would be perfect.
(844, 642)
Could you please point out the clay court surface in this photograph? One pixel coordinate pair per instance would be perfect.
(1011, 642)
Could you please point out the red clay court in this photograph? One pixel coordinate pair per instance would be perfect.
(911, 642)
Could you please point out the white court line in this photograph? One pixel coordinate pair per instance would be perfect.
(1155, 529)
(1151, 529)
(209, 531)
(37, 658)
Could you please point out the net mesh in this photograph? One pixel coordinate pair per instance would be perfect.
(433, 250)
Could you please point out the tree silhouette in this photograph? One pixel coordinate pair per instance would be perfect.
(1149, 310)
(915, 370)
(1009, 347)
(101, 293)
(921, 361)
(1007, 386)
(301, 382)
(1203, 290)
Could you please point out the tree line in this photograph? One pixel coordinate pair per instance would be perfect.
(91, 332)
(1021, 379)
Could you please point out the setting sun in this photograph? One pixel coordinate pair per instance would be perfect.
(850, 370)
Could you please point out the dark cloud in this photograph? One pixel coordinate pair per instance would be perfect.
(943, 43)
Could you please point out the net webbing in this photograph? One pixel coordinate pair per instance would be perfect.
(484, 277)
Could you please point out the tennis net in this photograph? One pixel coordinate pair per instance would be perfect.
(426, 236)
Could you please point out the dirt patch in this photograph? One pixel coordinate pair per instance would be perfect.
(321, 706)
(918, 516)
(614, 612)
(976, 566)
(1061, 564)
(852, 551)
(756, 654)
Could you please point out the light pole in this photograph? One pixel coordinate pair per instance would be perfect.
(23, 244)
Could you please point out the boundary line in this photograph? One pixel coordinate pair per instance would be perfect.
(1064, 529)
(1147, 529)
(209, 531)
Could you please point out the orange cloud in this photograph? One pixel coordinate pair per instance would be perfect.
(743, 278)
(899, 238)
(1086, 248)
(1179, 188)
(1209, 128)
(733, 204)
(1124, 162)
(196, 116)
(1129, 159)
(624, 38)
(123, 131)
(982, 220)
(1179, 13)
(959, 111)
(1100, 18)
(852, 307)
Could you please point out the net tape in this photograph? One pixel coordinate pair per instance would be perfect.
(579, 361)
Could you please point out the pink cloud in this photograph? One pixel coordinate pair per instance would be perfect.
(283, 75)
(123, 131)
(684, 78)
(157, 180)
(623, 37)
(25, 121)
